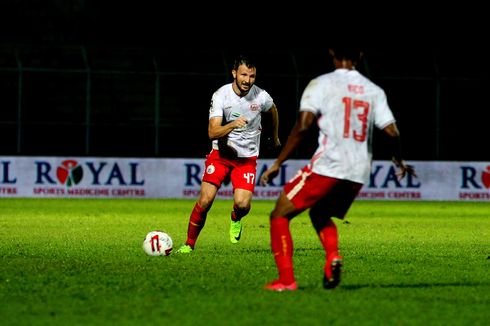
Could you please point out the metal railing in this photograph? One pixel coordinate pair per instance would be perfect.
(144, 102)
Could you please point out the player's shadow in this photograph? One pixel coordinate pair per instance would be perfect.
(409, 286)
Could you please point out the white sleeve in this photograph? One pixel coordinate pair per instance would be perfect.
(382, 112)
(267, 101)
(216, 107)
(310, 101)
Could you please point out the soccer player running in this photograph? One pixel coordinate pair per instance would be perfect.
(235, 129)
(345, 105)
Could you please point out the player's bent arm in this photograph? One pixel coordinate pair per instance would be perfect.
(275, 125)
(393, 133)
(299, 131)
(216, 130)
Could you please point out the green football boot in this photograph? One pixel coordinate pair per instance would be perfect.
(185, 249)
(235, 231)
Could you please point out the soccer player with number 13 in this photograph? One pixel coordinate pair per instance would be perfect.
(345, 105)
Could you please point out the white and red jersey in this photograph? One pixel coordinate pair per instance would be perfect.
(347, 105)
(228, 105)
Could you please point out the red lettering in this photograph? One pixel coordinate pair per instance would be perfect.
(356, 89)
(8, 190)
(474, 195)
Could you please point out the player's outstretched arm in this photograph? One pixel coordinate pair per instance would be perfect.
(299, 131)
(394, 134)
(275, 126)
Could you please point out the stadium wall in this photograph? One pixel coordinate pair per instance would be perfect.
(85, 177)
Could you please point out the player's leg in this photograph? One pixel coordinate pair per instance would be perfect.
(241, 206)
(336, 201)
(290, 203)
(214, 174)
(282, 244)
(327, 232)
(293, 200)
(198, 216)
(302, 192)
(243, 180)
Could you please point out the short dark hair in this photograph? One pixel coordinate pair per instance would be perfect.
(243, 60)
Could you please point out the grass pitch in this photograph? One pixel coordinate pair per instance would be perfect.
(80, 262)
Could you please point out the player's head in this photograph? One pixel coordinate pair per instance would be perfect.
(243, 60)
(244, 73)
(345, 54)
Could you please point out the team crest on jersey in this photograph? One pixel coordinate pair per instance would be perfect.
(210, 169)
(254, 107)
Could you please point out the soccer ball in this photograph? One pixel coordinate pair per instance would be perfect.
(157, 243)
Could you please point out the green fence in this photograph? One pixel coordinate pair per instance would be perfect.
(147, 102)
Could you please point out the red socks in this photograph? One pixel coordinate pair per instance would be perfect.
(196, 223)
(330, 240)
(282, 248)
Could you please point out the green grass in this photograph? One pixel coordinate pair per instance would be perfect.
(80, 262)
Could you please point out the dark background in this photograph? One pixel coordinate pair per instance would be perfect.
(105, 78)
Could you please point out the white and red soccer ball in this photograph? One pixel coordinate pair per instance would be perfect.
(157, 243)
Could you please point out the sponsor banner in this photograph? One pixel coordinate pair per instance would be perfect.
(85, 177)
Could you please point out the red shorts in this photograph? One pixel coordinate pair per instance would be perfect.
(241, 171)
(328, 196)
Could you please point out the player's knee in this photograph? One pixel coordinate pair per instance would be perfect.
(243, 205)
(274, 213)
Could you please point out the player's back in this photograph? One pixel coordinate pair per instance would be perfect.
(348, 83)
(347, 105)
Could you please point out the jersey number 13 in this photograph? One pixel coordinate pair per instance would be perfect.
(361, 110)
